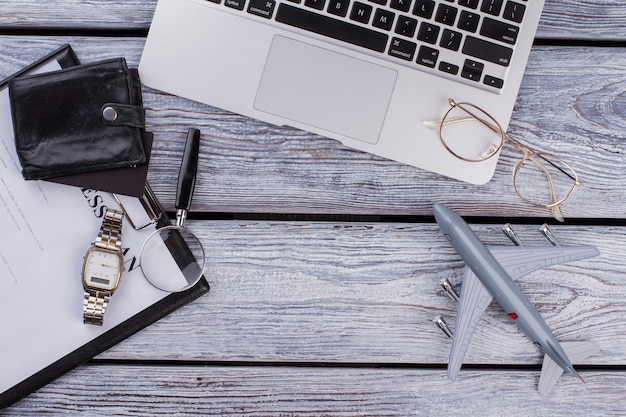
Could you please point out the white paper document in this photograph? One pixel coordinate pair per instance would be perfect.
(46, 229)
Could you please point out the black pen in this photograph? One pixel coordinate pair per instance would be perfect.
(187, 176)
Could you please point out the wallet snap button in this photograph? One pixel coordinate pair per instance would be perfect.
(109, 114)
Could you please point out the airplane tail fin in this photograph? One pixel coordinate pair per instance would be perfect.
(550, 371)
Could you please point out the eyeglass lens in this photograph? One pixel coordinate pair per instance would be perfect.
(543, 179)
(470, 134)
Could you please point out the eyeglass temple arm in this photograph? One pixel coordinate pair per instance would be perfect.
(436, 124)
(561, 169)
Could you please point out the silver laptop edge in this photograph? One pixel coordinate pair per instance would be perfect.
(204, 52)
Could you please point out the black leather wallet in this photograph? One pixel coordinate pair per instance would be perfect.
(79, 119)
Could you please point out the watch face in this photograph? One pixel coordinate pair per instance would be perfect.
(102, 269)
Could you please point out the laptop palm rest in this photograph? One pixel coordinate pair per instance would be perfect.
(325, 89)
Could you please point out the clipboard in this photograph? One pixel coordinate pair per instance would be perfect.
(89, 342)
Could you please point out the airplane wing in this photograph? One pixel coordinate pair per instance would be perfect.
(521, 260)
(473, 302)
(550, 371)
(475, 298)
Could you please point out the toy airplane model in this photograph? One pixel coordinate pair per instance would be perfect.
(489, 274)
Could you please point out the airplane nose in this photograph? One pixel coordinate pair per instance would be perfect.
(439, 210)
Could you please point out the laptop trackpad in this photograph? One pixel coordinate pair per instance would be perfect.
(325, 89)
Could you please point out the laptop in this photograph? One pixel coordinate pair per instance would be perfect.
(367, 73)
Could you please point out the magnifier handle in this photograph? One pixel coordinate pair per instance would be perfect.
(188, 170)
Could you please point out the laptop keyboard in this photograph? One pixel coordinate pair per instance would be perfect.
(471, 41)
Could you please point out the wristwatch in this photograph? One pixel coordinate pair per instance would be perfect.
(103, 267)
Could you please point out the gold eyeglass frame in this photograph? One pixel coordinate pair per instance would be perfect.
(528, 154)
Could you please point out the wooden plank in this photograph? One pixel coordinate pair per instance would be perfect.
(583, 20)
(589, 20)
(54, 14)
(303, 391)
(367, 293)
(250, 166)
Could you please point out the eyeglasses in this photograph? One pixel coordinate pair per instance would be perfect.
(473, 135)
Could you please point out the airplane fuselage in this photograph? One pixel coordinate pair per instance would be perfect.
(500, 285)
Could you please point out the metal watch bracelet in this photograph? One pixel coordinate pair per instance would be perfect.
(95, 301)
(94, 306)
(110, 235)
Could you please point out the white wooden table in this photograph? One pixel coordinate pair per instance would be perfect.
(325, 261)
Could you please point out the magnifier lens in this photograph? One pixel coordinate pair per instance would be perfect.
(172, 259)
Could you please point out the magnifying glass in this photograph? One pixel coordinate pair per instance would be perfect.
(172, 258)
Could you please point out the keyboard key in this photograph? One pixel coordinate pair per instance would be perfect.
(472, 70)
(361, 12)
(381, 2)
(338, 7)
(424, 8)
(493, 81)
(472, 4)
(427, 56)
(448, 68)
(333, 28)
(235, 4)
(487, 51)
(428, 33)
(468, 21)
(402, 5)
(383, 19)
(514, 12)
(263, 8)
(401, 48)
(315, 4)
(499, 31)
(492, 7)
(406, 26)
(451, 40)
(446, 14)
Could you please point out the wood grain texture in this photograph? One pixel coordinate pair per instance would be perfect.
(583, 20)
(561, 19)
(335, 318)
(318, 392)
(572, 103)
(367, 293)
(88, 14)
